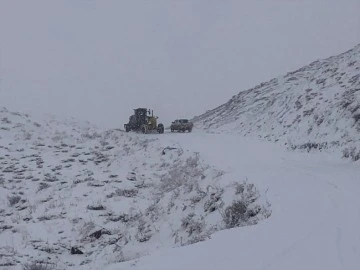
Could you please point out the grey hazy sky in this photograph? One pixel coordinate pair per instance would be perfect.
(97, 60)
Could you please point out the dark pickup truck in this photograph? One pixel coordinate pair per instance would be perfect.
(181, 125)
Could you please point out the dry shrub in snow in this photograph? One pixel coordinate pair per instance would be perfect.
(37, 266)
(235, 214)
(353, 153)
(127, 192)
(193, 224)
(96, 207)
(183, 175)
(243, 209)
(14, 200)
(144, 232)
(42, 186)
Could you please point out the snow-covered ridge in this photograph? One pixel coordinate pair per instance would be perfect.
(69, 188)
(317, 106)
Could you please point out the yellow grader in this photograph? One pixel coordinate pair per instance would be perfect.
(143, 120)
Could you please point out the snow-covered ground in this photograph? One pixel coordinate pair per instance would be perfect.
(70, 188)
(76, 197)
(315, 206)
(134, 201)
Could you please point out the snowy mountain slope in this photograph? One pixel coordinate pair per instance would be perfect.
(70, 188)
(117, 197)
(315, 211)
(317, 106)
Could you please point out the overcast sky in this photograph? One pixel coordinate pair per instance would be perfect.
(98, 59)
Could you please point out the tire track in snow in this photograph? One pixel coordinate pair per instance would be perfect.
(338, 242)
(345, 197)
(293, 246)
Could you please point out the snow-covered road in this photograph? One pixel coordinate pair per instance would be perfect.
(315, 221)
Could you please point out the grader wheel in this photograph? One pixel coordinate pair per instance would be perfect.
(160, 128)
(144, 129)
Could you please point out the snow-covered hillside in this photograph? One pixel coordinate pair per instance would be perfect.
(317, 106)
(124, 200)
(69, 188)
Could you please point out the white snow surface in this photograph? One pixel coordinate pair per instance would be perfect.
(161, 200)
(315, 211)
(317, 106)
(114, 196)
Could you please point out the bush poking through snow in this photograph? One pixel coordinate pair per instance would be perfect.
(235, 214)
(184, 175)
(42, 186)
(214, 202)
(129, 193)
(352, 153)
(14, 200)
(309, 146)
(76, 251)
(97, 234)
(37, 266)
(242, 210)
(193, 225)
(144, 232)
(96, 207)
